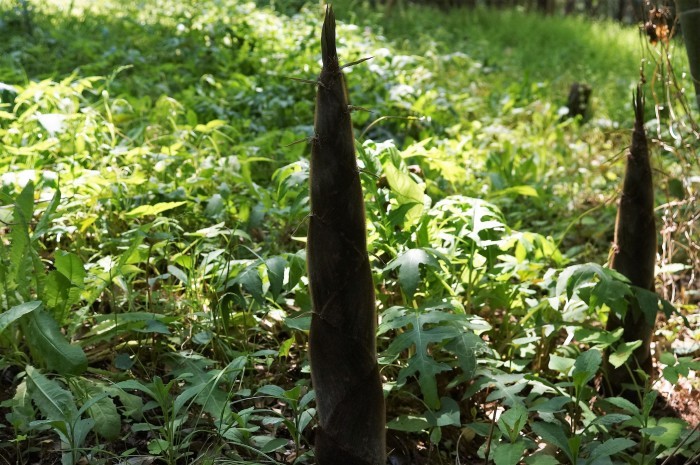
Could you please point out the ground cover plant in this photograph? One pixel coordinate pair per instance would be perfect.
(154, 209)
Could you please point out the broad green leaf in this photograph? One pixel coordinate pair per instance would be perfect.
(409, 423)
(561, 364)
(623, 403)
(541, 459)
(275, 274)
(250, 280)
(51, 347)
(586, 366)
(268, 444)
(514, 191)
(610, 419)
(406, 190)
(178, 273)
(448, 415)
(158, 446)
(17, 312)
(554, 435)
(609, 448)
(70, 266)
(149, 210)
(553, 405)
(409, 264)
(672, 430)
(509, 454)
(623, 352)
(54, 402)
(107, 419)
(512, 421)
(648, 304)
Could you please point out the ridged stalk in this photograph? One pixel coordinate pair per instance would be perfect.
(344, 369)
(634, 253)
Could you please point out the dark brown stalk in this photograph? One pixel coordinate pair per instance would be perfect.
(634, 254)
(344, 369)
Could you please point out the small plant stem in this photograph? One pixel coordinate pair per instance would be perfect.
(488, 441)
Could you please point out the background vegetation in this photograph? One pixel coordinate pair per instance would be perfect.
(154, 204)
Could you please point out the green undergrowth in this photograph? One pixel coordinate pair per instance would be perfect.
(154, 204)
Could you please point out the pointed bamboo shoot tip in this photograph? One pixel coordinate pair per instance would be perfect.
(328, 50)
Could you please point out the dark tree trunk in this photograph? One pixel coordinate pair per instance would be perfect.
(634, 256)
(344, 369)
(689, 14)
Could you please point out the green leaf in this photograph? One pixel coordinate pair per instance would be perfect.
(610, 419)
(586, 367)
(514, 191)
(107, 419)
(561, 364)
(158, 446)
(422, 365)
(148, 210)
(251, 282)
(54, 402)
(623, 404)
(409, 268)
(178, 273)
(406, 190)
(509, 454)
(275, 274)
(622, 353)
(409, 423)
(43, 224)
(648, 304)
(673, 429)
(541, 459)
(17, 312)
(512, 421)
(554, 435)
(609, 448)
(51, 347)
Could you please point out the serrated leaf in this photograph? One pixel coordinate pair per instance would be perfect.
(507, 387)
(54, 402)
(409, 265)
(422, 365)
(17, 312)
(149, 210)
(50, 345)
